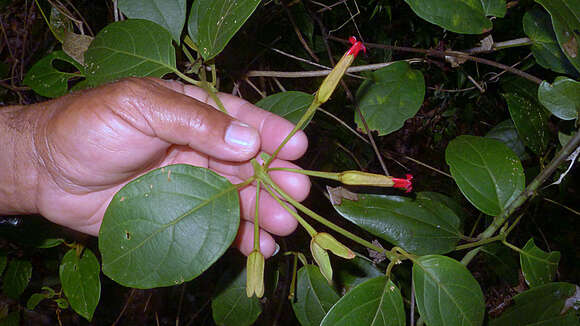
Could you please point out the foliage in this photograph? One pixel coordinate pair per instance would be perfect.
(173, 225)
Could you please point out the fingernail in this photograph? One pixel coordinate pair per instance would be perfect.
(241, 135)
(276, 250)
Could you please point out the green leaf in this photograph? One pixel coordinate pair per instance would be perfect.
(12, 319)
(495, 8)
(16, 278)
(34, 300)
(352, 272)
(213, 23)
(45, 79)
(538, 266)
(502, 261)
(446, 292)
(531, 121)
(50, 243)
(169, 14)
(487, 172)
(168, 226)
(391, 96)
(527, 113)
(231, 306)
(566, 21)
(546, 50)
(454, 220)
(289, 105)
(375, 302)
(459, 16)
(80, 281)
(541, 305)
(314, 297)
(59, 24)
(419, 226)
(134, 47)
(506, 132)
(562, 98)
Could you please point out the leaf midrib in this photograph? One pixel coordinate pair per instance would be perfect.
(173, 222)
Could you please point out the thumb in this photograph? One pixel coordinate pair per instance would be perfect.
(179, 119)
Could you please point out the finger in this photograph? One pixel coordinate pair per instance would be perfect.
(161, 112)
(245, 240)
(273, 129)
(295, 184)
(273, 217)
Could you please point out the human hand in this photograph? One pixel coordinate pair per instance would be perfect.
(89, 144)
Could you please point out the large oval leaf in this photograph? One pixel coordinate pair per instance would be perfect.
(538, 266)
(392, 95)
(16, 278)
(531, 121)
(459, 16)
(231, 306)
(566, 22)
(446, 292)
(168, 226)
(529, 116)
(289, 105)
(506, 132)
(375, 302)
(562, 98)
(45, 79)
(80, 281)
(314, 297)
(502, 261)
(542, 305)
(351, 272)
(488, 173)
(134, 47)
(213, 23)
(545, 47)
(419, 226)
(170, 14)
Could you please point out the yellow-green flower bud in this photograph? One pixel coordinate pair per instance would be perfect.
(322, 260)
(359, 178)
(328, 242)
(331, 81)
(255, 274)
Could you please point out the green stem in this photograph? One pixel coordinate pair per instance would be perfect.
(529, 192)
(311, 231)
(211, 90)
(267, 180)
(320, 174)
(257, 219)
(305, 117)
(512, 247)
(480, 242)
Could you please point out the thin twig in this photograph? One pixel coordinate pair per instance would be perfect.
(443, 54)
(129, 299)
(254, 87)
(298, 33)
(563, 206)
(321, 73)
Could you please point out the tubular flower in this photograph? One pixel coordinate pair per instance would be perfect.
(322, 260)
(359, 178)
(319, 245)
(331, 81)
(255, 274)
(404, 183)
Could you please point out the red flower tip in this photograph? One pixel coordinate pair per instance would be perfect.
(356, 46)
(404, 183)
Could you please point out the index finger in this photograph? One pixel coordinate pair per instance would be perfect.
(273, 129)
